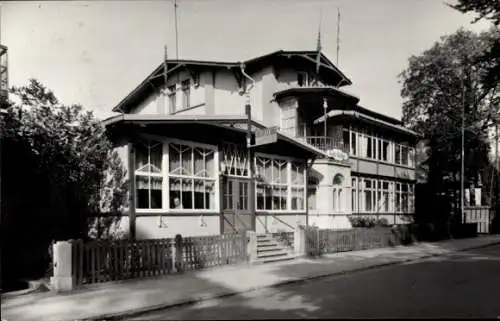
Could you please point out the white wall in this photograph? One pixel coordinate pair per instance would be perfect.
(227, 97)
(155, 227)
(158, 103)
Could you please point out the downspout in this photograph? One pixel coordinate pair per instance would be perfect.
(308, 168)
(248, 112)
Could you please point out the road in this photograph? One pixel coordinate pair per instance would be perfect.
(462, 284)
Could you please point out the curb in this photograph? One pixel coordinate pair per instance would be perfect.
(195, 300)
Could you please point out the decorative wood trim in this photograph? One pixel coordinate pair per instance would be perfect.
(239, 79)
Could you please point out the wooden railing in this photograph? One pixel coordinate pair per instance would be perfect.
(319, 241)
(325, 143)
(102, 261)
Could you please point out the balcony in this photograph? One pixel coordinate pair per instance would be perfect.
(328, 145)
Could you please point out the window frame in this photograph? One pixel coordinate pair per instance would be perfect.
(289, 184)
(165, 174)
(186, 93)
(172, 98)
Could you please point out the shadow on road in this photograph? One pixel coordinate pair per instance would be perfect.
(461, 284)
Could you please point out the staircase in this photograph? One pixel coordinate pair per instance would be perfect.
(271, 250)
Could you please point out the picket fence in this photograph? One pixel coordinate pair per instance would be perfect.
(103, 261)
(324, 241)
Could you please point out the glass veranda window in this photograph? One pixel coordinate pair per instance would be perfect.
(191, 177)
(148, 174)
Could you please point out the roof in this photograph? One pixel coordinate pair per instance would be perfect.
(216, 125)
(146, 87)
(315, 89)
(159, 118)
(375, 114)
(356, 114)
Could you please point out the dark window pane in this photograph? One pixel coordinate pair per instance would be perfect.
(156, 198)
(142, 198)
(187, 201)
(199, 200)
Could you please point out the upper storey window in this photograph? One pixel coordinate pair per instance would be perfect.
(304, 79)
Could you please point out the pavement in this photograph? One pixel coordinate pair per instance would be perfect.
(125, 299)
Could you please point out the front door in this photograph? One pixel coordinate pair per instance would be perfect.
(236, 210)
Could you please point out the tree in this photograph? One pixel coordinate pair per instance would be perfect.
(58, 170)
(435, 86)
(488, 10)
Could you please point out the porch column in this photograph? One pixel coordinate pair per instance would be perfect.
(131, 176)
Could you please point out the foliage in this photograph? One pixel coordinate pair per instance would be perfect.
(436, 85)
(58, 169)
(488, 10)
(366, 221)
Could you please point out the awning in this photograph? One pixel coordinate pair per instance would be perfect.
(325, 90)
(357, 115)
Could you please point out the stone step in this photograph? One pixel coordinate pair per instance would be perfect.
(275, 253)
(272, 259)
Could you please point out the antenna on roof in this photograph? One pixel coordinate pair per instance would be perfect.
(338, 35)
(318, 45)
(176, 31)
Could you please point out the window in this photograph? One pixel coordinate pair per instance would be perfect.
(369, 148)
(171, 92)
(353, 143)
(289, 120)
(235, 160)
(338, 195)
(272, 190)
(298, 180)
(312, 187)
(354, 195)
(383, 200)
(411, 157)
(186, 93)
(281, 184)
(148, 175)
(345, 140)
(191, 177)
(369, 195)
(405, 155)
(397, 153)
(383, 150)
(303, 79)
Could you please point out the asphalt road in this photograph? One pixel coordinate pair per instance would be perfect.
(462, 284)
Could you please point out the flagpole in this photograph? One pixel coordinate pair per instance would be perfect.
(176, 31)
(338, 35)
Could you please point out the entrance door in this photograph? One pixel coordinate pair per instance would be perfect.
(236, 211)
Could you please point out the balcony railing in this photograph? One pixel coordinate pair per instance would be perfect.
(324, 143)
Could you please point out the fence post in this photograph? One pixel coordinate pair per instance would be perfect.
(63, 279)
(299, 240)
(177, 262)
(252, 246)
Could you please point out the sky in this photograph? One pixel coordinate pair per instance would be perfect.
(94, 53)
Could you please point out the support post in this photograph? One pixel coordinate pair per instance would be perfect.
(252, 246)
(131, 177)
(63, 279)
(299, 240)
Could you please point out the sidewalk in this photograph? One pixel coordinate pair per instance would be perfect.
(120, 299)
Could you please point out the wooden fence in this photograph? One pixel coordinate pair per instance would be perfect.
(102, 261)
(481, 215)
(286, 238)
(319, 242)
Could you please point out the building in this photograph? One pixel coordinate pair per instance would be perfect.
(319, 157)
